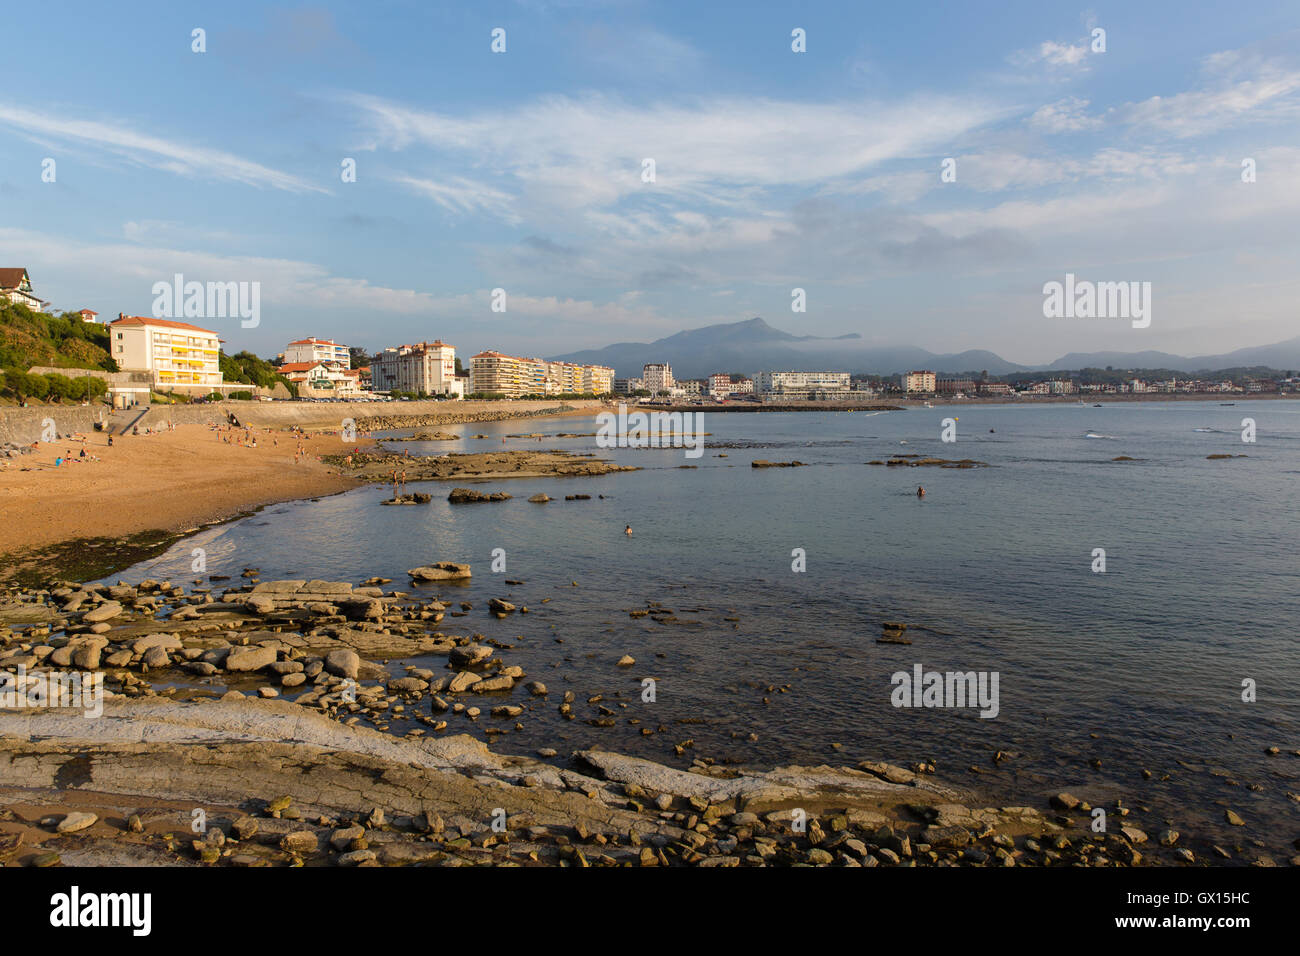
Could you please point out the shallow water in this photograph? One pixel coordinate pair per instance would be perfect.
(1140, 667)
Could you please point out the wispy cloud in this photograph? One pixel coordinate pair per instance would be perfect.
(153, 151)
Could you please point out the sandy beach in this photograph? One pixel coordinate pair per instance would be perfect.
(169, 481)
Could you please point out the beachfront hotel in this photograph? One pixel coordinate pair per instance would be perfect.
(322, 379)
(919, 382)
(176, 355)
(425, 368)
(317, 350)
(494, 373)
(657, 377)
(783, 383)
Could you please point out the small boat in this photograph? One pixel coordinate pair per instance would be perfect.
(1226, 404)
(1097, 405)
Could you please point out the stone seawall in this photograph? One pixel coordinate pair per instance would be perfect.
(24, 425)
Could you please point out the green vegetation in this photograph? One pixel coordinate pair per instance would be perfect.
(30, 339)
(248, 368)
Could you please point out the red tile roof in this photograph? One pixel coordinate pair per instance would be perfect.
(166, 323)
(11, 278)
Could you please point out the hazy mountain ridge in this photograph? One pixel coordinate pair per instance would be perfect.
(752, 345)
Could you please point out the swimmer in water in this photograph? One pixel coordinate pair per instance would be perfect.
(920, 492)
(628, 531)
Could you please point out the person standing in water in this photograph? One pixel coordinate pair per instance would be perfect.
(628, 531)
(920, 492)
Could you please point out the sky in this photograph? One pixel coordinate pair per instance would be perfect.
(773, 170)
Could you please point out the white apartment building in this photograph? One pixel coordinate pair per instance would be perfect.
(657, 377)
(626, 386)
(919, 382)
(769, 383)
(427, 368)
(317, 350)
(176, 355)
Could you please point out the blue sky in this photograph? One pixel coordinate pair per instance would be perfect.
(774, 170)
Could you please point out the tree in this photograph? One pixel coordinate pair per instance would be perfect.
(358, 356)
(459, 370)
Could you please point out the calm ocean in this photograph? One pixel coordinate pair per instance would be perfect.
(1140, 668)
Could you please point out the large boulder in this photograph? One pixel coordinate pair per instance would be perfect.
(442, 571)
(343, 663)
(249, 658)
(468, 656)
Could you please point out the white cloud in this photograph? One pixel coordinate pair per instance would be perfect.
(587, 152)
(1067, 115)
(153, 151)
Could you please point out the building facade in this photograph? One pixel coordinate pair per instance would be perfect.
(922, 381)
(16, 286)
(657, 377)
(776, 383)
(177, 355)
(495, 373)
(317, 350)
(427, 368)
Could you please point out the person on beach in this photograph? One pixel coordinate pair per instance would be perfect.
(920, 492)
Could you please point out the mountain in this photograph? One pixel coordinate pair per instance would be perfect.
(1283, 355)
(754, 345)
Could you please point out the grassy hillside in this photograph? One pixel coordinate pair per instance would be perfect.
(30, 338)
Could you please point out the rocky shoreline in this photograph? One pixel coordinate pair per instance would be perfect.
(381, 467)
(269, 705)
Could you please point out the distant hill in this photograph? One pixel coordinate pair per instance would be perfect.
(753, 345)
(1283, 355)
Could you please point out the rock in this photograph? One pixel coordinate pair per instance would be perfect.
(406, 685)
(1168, 837)
(819, 857)
(342, 838)
(500, 607)
(490, 684)
(343, 662)
(462, 681)
(105, 612)
(76, 821)
(1233, 819)
(156, 657)
(299, 842)
(951, 836)
(470, 655)
(536, 688)
(1134, 835)
(1065, 801)
(249, 658)
(357, 857)
(442, 571)
(627, 660)
(539, 499)
(460, 496)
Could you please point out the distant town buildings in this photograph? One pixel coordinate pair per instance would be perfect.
(494, 373)
(657, 377)
(922, 381)
(626, 386)
(17, 288)
(426, 368)
(801, 386)
(317, 350)
(88, 315)
(177, 355)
